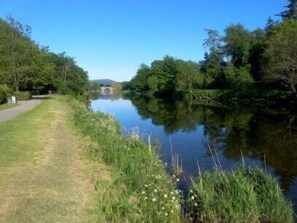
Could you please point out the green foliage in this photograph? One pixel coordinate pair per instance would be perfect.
(280, 55)
(168, 77)
(117, 86)
(146, 192)
(4, 92)
(26, 66)
(238, 78)
(23, 95)
(94, 86)
(237, 44)
(242, 195)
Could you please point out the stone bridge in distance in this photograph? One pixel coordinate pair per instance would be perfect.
(106, 89)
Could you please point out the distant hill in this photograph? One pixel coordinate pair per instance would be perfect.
(105, 81)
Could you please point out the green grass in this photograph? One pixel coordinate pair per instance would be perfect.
(6, 106)
(141, 190)
(243, 195)
(41, 169)
(19, 137)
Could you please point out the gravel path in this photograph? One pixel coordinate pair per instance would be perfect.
(24, 106)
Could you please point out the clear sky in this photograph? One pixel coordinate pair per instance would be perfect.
(111, 38)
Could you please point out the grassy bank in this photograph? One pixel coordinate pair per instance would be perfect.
(243, 195)
(140, 190)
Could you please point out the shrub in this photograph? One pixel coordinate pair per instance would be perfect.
(23, 95)
(4, 92)
(242, 195)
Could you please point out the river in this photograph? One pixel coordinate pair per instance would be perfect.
(251, 135)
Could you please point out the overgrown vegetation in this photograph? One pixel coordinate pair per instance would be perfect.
(145, 193)
(238, 61)
(243, 195)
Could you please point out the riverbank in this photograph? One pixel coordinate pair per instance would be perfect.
(63, 163)
(140, 190)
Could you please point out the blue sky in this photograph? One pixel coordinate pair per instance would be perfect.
(111, 38)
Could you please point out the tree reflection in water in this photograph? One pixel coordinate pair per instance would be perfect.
(259, 133)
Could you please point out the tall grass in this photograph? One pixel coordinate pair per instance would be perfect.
(145, 192)
(243, 195)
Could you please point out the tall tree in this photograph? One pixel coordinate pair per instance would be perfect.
(17, 51)
(237, 44)
(281, 55)
(211, 66)
(290, 12)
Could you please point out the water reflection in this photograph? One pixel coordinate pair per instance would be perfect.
(264, 137)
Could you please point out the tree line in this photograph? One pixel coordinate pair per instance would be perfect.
(27, 66)
(242, 61)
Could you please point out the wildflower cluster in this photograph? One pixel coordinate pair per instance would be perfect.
(161, 199)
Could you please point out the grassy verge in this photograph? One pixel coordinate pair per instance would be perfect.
(19, 137)
(6, 106)
(140, 190)
(243, 195)
(41, 168)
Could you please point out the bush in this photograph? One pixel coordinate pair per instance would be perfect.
(243, 195)
(23, 95)
(4, 92)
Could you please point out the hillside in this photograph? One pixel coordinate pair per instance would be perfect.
(105, 81)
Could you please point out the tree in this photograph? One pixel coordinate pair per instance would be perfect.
(139, 82)
(281, 55)
(290, 12)
(213, 61)
(188, 77)
(237, 44)
(17, 49)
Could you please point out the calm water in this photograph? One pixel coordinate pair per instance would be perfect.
(264, 137)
